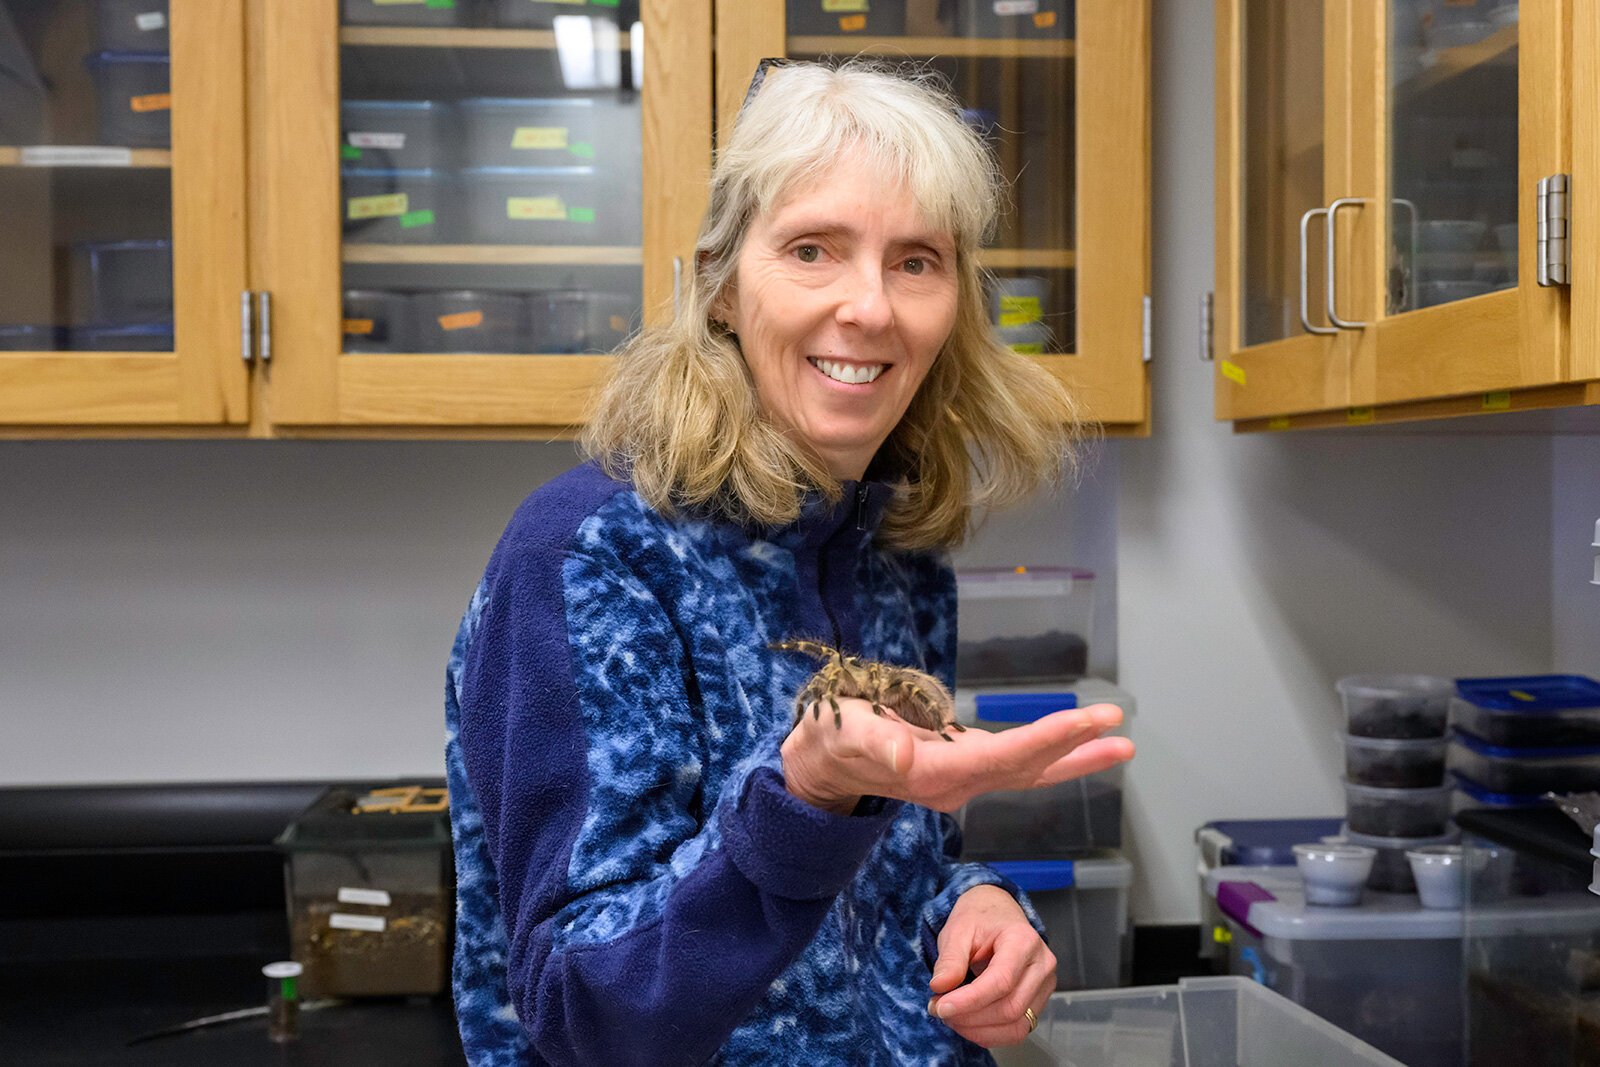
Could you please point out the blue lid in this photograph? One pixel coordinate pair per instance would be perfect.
(1484, 795)
(1531, 694)
(528, 172)
(1269, 842)
(421, 174)
(103, 59)
(1022, 707)
(391, 105)
(1037, 875)
(500, 102)
(130, 329)
(157, 244)
(1483, 748)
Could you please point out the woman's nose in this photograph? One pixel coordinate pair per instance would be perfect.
(865, 304)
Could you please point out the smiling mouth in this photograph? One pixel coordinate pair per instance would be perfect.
(848, 373)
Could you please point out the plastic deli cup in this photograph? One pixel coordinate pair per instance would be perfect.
(1395, 763)
(1440, 873)
(1396, 705)
(1334, 874)
(1397, 812)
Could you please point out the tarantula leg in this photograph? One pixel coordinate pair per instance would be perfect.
(838, 718)
(879, 709)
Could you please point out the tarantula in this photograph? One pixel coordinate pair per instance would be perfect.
(914, 696)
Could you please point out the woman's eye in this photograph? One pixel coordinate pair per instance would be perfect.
(916, 265)
(808, 253)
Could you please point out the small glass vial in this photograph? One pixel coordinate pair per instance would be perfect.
(283, 1000)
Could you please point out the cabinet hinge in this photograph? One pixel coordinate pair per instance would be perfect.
(1207, 325)
(1553, 251)
(247, 322)
(1145, 340)
(264, 325)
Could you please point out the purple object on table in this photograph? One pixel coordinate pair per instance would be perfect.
(1235, 898)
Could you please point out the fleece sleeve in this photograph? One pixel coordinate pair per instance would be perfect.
(642, 929)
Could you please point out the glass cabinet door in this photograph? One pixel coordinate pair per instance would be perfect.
(121, 202)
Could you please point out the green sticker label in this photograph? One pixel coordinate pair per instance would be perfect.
(582, 148)
(580, 214)
(349, 151)
(605, 3)
(445, 4)
(412, 219)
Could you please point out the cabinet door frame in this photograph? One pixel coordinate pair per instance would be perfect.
(1112, 151)
(204, 380)
(297, 247)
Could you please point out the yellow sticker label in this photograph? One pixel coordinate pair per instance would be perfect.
(358, 327)
(1029, 348)
(852, 23)
(535, 207)
(1279, 423)
(1221, 935)
(1526, 698)
(461, 320)
(1044, 19)
(1019, 310)
(151, 102)
(1233, 372)
(539, 137)
(1496, 401)
(845, 5)
(377, 207)
(1358, 415)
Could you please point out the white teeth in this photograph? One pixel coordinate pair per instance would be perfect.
(849, 373)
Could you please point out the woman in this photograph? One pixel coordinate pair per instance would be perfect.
(652, 867)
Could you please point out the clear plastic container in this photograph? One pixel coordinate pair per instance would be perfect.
(1018, 18)
(1525, 770)
(1056, 822)
(541, 14)
(388, 13)
(376, 320)
(1084, 906)
(370, 898)
(133, 97)
(1200, 1022)
(543, 206)
(469, 320)
(1471, 795)
(1440, 874)
(1391, 871)
(131, 25)
(1027, 624)
(1397, 812)
(832, 18)
(136, 337)
(1246, 842)
(1543, 711)
(394, 134)
(1334, 874)
(1394, 763)
(128, 281)
(546, 132)
(1395, 705)
(396, 206)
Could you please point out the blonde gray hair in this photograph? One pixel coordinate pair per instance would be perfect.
(680, 417)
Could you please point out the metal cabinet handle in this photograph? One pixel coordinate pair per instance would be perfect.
(1332, 216)
(1305, 310)
(1411, 274)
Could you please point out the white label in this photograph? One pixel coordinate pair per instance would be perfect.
(371, 923)
(375, 897)
(1001, 590)
(150, 20)
(75, 156)
(378, 140)
(1016, 7)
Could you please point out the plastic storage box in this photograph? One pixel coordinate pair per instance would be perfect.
(133, 98)
(559, 132)
(1084, 905)
(1018, 18)
(1024, 625)
(1247, 843)
(394, 134)
(388, 13)
(376, 320)
(131, 25)
(1471, 795)
(469, 320)
(1200, 1022)
(543, 206)
(1056, 822)
(136, 337)
(1397, 812)
(863, 18)
(1396, 705)
(396, 206)
(128, 281)
(1394, 763)
(541, 14)
(370, 897)
(1541, 711)
(1525, 770)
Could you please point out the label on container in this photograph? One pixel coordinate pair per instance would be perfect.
(1500, 401)
(1517, 694)
(150, 20)
(371, 923)
(852, 23)
(74, 156)
(1016, 7)
(845, 5)
(356, 328)
(151, 102)
(397, 3)
(581, 149)
(349, 152)
(1279, 423)
(539, 137)
(446, 5)
(1019, 310)
(1028, 348)
(1358, 415)
(580, 214)
(377, 140)
(1233, 372)
(1044, 19)
(618, 324)
(377, 207)
(378, 898)
(536, 207)
(412, 219)
(461, 320)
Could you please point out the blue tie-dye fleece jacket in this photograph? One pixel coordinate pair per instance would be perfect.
(635, 885)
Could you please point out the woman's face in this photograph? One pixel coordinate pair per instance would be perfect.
(842, 298)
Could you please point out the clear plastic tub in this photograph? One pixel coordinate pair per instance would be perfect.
(1084, 905)
(831, 18)
(128, 281)
(1391, 871)
(469, 320)
(541, 14)
(1018, 18)
(396, 206)
(1056, 822)
(1024, 624)
(1394, 763)
(544, 132)
(1397, 812)
(131, 25)
(1395, 705)
(543, 206)
(394, 134)
(135, 337)
(1200, 1022)
(381, 13)
(1526, 770)
(133, 98)
(1542, 711)
(376, 320)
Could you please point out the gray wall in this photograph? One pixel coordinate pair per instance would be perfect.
(1576, 493)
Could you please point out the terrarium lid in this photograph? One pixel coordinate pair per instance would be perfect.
(391, 817)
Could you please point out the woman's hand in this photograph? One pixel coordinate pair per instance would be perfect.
(833, 767)
(988, 934)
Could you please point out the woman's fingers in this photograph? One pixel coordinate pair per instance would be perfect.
(1092, 756)
(988, 997)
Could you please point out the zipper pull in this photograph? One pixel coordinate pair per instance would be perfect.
(861, 506)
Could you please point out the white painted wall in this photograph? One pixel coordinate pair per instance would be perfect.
(1576, 508)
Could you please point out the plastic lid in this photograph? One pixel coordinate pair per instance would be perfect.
(331, 822)
(101, 59)
(1392, 684)
(528, 172)
(126, 329)
(1022, 707)
(391, 105)
(1280, 911)
(1035, 875)
(1399, 793)
(1397, 843)
(1268, 842)
(531, 101)
(138, 244)
(1484, 795)
(424, 173)
(1477, 744)
(283, 969)
(1531, 694)
(983, 582)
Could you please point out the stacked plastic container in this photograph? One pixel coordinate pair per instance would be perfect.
(1023, 650)
(1397, 798)
(1514, 739)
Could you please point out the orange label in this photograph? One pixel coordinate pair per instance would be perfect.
(153, 102)
(619, 324)
(852, 23)
(461, 320)
(1044, 19)
(358, 326)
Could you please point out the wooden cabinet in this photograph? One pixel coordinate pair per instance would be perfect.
(436, 218)
(1378, 179)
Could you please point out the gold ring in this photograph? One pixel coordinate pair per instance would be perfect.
(1033, 1020)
